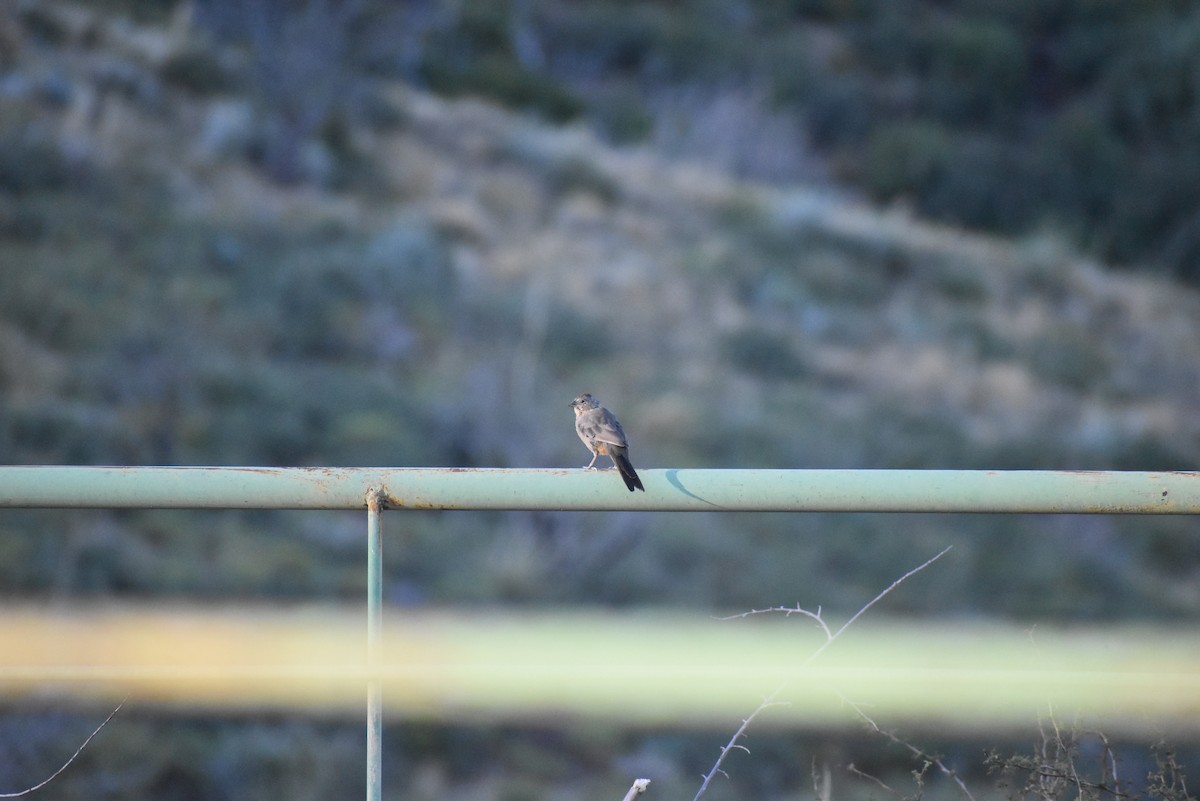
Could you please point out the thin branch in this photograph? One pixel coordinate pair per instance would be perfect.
(830, 636)
(856, 772)
(1108, 760)
(1062, 747)
(822, 785)
(786, 611)
(639, 786)
(767, 703)
(917, 752)
(66, 764)
(881, 595)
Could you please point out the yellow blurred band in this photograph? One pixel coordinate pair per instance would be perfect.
(636, 669)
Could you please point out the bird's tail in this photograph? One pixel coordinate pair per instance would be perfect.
(628, 474)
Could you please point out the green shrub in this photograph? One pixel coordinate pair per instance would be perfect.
(501, 78)
(59, 433)
(29, 163)
(763, 353)
(622, 116)
(44, 24)
(475, 57)
(20, 223)
(974, 71)
(577, 338)
(198, 70)
(1070, 357)
(617, 38)
(974, 181)
(1082, 160)
(578, 173)
(147, 11)
(838, 114)
(906, 158)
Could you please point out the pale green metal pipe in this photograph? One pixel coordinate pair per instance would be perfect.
(374, 634)
(1096, 492)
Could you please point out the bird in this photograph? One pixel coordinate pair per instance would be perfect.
(603, 436)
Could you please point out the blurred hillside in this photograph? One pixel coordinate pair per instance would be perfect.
(428, 282)
(1011, 117)
(369, 233)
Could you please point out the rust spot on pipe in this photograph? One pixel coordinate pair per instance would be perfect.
(389, 501)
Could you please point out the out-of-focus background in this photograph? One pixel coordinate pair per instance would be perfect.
(785, 233)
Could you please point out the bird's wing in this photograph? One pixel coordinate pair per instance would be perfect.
(600, 425)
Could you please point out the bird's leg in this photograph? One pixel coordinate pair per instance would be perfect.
(588, 466)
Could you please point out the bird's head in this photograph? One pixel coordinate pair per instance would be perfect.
(584, 402)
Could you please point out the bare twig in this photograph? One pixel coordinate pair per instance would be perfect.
(830, 636)
(639, 787)
(767, 703)
(1051, 772)
(1108, 761)
(917, 752)
(786, 611)
(851, 768)
(66, 764)
(880, 597)
(822, 783)
(1064, 749)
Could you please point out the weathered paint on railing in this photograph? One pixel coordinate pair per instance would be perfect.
(1037, 491)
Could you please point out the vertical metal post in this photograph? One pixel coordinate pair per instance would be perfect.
(374, 614)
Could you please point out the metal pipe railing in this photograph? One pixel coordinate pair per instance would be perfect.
(680, 490)
(374, 637)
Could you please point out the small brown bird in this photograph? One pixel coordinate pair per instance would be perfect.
(603, 436)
